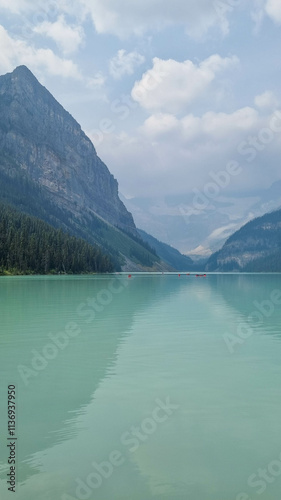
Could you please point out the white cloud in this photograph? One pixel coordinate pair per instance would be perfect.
(67, 37)
(220, 125)
(15, 6)
(15, 52)
(44, 8)
(161, 124)
(266, 100)
(124, 63)
(127, 17)
(273, 9)
(171, 85)
(171, 155)
(211, 126)
(96, 82)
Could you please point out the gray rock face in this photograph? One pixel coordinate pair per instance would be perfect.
(48, 144)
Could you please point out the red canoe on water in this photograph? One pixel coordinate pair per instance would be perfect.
(201, 275)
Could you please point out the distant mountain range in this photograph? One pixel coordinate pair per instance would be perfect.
(256, 247)
(50, 169)
(173, 220)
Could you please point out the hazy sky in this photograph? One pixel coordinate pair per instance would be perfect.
(169, 91)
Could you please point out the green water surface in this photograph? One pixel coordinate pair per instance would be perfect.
(154, 387)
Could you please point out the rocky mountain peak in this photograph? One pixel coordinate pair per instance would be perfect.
(48, 144)
(23, 71)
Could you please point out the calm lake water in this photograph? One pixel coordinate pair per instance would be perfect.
(155, 387)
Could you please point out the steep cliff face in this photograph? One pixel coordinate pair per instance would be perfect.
(252, 248)
(44, 141)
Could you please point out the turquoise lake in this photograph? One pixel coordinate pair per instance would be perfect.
(154, 387)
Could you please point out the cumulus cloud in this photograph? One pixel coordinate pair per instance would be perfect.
(216, 127)
(15, 52)
(96, 82)
(44, 8)
(125, 17)
(171, 85)
(125, 63)
(162, 124)
(273, 9)
(172, 156)
(16, 6)
(68, 37)
(266, 100)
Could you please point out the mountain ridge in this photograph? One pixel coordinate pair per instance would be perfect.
(256, 246)
(168, 254)
(60, 148)
(49, 168)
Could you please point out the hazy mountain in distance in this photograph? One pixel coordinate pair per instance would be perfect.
(173, 219)
(256, 247)
(168, 254)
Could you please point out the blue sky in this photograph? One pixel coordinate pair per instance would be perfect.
(167, 90)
